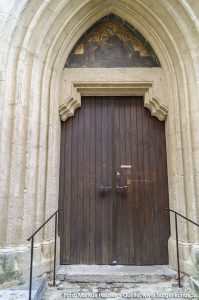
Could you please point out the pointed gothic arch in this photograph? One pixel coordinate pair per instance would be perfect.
(123, 47)
(44, 43)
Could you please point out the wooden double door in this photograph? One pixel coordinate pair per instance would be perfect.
(113, 184)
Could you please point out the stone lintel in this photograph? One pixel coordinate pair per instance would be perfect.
(147, 82)
(72, 97)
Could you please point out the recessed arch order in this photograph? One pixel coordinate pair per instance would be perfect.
(34, 64)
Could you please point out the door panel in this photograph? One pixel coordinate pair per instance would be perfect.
(113, 142)
(142, 226)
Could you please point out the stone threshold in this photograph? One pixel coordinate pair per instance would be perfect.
(116, 273)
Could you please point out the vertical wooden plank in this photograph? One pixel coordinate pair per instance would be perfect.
(134, 259)
(157, 153)
(123, 195)
(114, 156)
(117, 163)
(139, 192)
(142, 190)
(151, 192)
(93, 186)
(152, 166)
(85, 242)
(66, 204)
(110, 174)
(142, 184)
(148, 204)
(80, 184)
(67, 189)
(128, 214)
(98, 154)
(74, 188)
(105, 200)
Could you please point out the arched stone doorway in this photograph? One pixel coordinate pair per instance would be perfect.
(113, 187)
(32, 69)
(171, 79)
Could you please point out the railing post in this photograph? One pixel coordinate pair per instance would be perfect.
(31, 264)
(55, 249)
(177, 249)
(32, 247)
(177, 242)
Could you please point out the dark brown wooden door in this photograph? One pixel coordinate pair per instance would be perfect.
(113, 184)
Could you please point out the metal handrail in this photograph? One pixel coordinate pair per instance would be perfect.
(177, 242)
(32, 248)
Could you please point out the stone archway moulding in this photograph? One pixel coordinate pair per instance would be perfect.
(36, 38)
(145, 82)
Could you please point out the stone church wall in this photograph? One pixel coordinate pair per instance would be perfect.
(36, 39)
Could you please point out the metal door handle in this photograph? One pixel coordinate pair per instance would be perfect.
(120, 189)
(105, 189)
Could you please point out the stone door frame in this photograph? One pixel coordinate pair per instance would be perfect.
(147, 82)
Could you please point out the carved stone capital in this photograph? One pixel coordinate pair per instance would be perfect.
(154, 104)
(71, 101)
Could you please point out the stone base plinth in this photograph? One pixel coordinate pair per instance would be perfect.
(15, 261)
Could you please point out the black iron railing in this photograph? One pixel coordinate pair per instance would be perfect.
(31, 238)
(177, 241)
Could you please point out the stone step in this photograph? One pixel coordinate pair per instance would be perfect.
(162, 290)
(117, 274)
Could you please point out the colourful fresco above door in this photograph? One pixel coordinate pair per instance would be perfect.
(112, 43)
